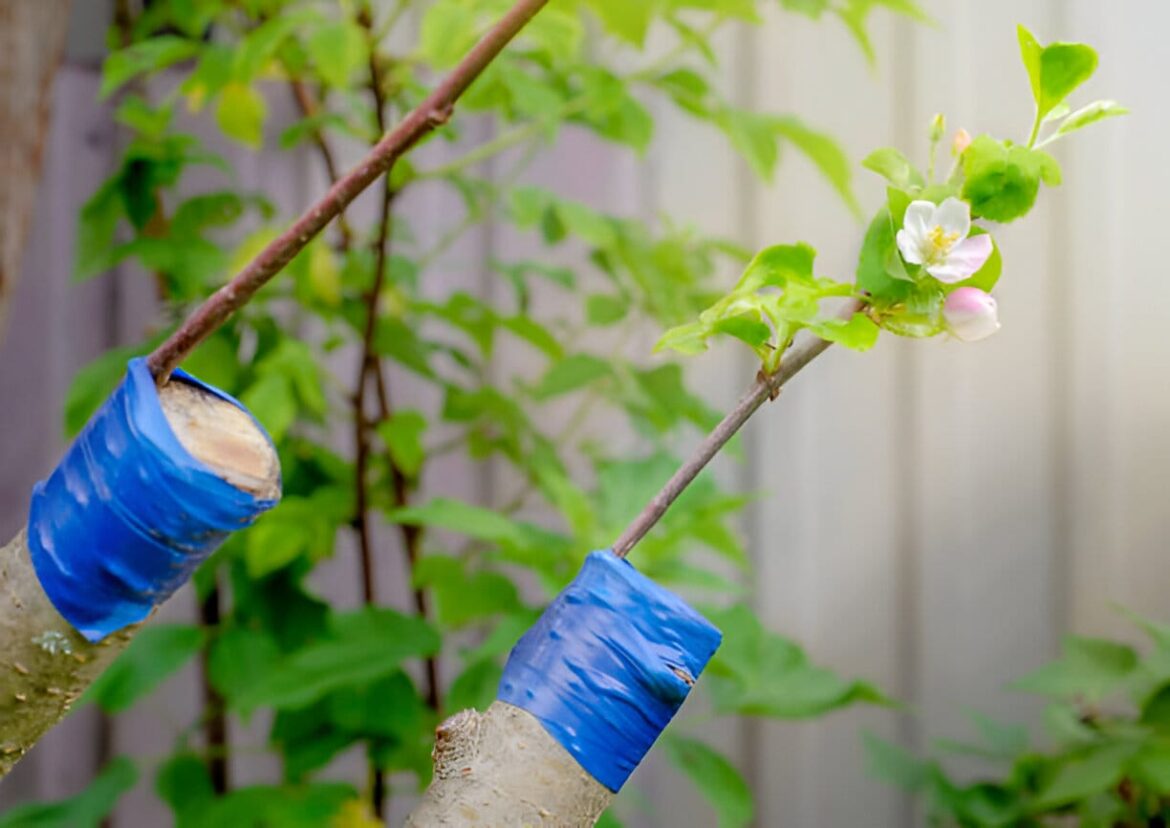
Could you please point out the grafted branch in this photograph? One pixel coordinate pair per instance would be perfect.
(433, 112)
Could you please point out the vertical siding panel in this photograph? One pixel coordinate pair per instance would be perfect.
(984, 412)
(1120, 400)
(825, 530)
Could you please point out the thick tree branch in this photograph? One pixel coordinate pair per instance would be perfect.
(431, 113)
(45, 664)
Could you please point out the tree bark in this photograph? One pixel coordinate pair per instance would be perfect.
(45, 664)
(32, 39)
(502, 768)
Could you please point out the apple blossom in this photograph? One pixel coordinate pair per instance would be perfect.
(936, 237)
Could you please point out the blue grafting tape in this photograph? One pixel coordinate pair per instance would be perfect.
(128, 514)
(598, 668)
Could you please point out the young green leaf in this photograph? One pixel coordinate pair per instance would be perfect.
(86, 810)
(715, 777)
(363, 646)
(158, 651)
(1054, 70)
(338, 50)
(143, 57)
(241, 112)
(1089, 667)
(1091, 114)
(1002, 180)
(895, 167)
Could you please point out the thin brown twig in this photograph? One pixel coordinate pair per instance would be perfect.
(433, 112)
(309, 109)
(766, 387)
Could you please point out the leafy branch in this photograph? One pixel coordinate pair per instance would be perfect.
(433, 112)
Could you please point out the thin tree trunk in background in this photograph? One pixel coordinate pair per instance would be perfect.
(32, 39)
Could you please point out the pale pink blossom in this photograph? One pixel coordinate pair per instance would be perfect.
(971, 314)
(938, 238)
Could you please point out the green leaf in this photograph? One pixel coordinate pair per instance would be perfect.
(299, 526)
(236, 656)
(1151, 767)
(363, 646)
(894, 764)
(825, 153)
(569, 375)
(476, 522)
(402, 434)
(1054, 70)
(1082, 776)
(1030, 51)
(150, 55)
(271, 401)
(448, 31)
(158, 651)
(753, 136)
(94, 383)
(464, 596)
(97, 225)
(715, 777)
(338, 49)
(893, 166)
(1090, 667)
(758, 673)
(1002, 180)
(778, 265)
(628, 21)
(476, 687)
(240, 113)
(86, 810)
(395, 339)
(183, 783)
(287, 806)
(1091, 114)
(859, 332)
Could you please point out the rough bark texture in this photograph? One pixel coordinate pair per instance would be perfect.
(44, 663)
(32, 37)
(502, 768)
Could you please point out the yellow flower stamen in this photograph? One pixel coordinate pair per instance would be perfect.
(940, 243)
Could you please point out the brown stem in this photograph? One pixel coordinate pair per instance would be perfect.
(215, 725)
(434, 111)
(411, 541)
(766, 386)
(309, 109)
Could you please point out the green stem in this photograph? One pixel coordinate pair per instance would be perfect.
(1035, 130)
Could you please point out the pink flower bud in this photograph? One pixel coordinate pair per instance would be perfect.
(961, 142)
(971, 314)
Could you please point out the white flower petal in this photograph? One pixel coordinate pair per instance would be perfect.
(919, 219)
(910, 248)
(954, 216)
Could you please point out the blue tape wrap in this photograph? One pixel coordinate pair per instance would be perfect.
(598, 668)
(128, 514)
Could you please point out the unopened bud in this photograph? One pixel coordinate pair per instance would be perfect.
(971, 314)
(961, 142)
(938, 126)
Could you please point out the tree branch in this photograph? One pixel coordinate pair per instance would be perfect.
(766, 386)
(431, 113)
